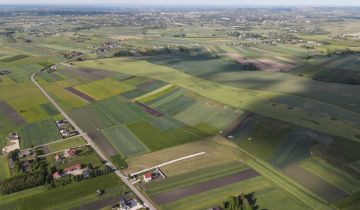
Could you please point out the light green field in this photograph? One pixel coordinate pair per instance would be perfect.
(267, 196)
(125, 142)
(333, 175)
(4, 168)
(104, 88)
(252, 100)
(66, 197)
(65, 144)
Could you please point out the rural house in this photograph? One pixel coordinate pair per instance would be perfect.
(69, 152)
(147, 177)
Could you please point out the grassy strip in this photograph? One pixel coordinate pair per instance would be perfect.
(65, 144)
(154, 94)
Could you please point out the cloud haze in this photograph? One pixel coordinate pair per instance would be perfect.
(190, 2)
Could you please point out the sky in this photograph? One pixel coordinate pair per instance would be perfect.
(192, 2)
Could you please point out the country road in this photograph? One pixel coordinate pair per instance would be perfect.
(146, 201)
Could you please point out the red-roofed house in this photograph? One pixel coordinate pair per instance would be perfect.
(56, 175)
(73, 168)
(147, 177)
(69, 152)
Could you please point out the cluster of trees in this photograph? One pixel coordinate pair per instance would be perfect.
(36, 176)
(241, 202)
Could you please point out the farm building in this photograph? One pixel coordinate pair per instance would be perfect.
(147, 177)
(72, 168)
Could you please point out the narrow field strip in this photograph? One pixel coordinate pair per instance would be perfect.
(203, 187)
(154, 94)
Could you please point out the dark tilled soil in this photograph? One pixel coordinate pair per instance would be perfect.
(80, 94)
(314, 183)
(103, 143)
(11, 113)
(203, 187)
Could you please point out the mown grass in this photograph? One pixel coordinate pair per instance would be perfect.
(65, 144)
(66, 197)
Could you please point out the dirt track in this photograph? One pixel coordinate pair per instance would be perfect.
(203, 187)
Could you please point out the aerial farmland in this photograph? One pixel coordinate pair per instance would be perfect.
(185, 109)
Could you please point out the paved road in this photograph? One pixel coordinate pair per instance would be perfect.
(146, 201)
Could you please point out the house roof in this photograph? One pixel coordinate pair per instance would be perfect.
(56, 174)
(147, 175)
(74, 167)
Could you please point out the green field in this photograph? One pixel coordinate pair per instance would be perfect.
(267, 195)
(331, 174)
(66, 197)
(260, 135)
(65, 144)
(4, 168)
(38, 133)
(207, 111)
(194, 177)
(107, 113)
(252, 100)
(125, 142)
(104, 88)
